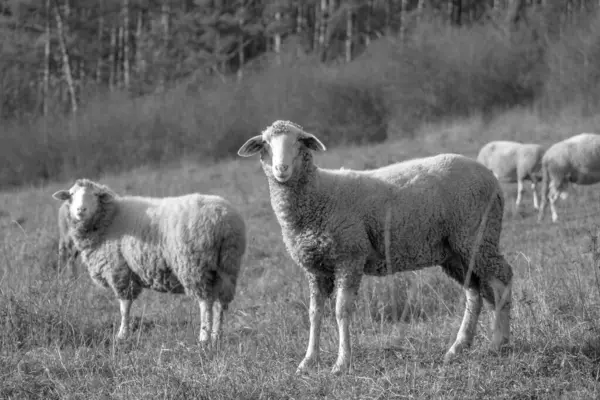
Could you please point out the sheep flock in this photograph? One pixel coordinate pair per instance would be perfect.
(338, 225)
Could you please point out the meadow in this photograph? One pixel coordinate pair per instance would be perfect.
(56, 334)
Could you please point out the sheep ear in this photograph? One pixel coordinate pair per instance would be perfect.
(62, 195)
(252, 146)
(105, 196)
(312, 142)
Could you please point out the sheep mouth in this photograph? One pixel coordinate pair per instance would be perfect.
(282, 178)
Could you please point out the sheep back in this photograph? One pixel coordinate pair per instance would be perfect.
(576, 159)
(433, 200)
(170, 244)
(512, 161)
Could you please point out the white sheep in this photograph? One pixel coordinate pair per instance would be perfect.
(67, 252)
(514, 162)
(338, 225)
(190, 244)
(573, 160)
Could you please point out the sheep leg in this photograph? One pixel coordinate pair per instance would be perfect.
(553, 197)
(206, 316)
(520, 190)
(347, 284)
(535, 196)
(320, 289)
(125, 306)
(218, 315)
(468, 326)
(501, 324)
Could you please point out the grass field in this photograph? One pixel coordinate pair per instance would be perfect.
(55, 338)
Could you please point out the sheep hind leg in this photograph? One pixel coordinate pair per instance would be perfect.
(536, 205)
(454, 267)
(497, 291)
(520, 191)
(468, 327)
(219, 308)
(348, 277)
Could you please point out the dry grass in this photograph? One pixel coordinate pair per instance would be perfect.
(56, 335)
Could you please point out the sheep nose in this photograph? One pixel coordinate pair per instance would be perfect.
(281, 167)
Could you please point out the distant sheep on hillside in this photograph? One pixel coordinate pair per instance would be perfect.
(514, 162)
(340, 225)
(573, 160)
(190, 244)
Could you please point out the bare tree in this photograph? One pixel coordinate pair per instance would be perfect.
(65, 56)
(126, 48)
(349, 33)
(46, 94)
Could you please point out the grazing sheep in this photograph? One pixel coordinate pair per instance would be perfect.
(338, 225)
(573, 160)
(67, 252)
(514, 162)
(190, 244)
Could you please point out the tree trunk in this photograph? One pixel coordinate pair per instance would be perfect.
(300, 25)
(65, 56)
(277, 40)
(368, 27)
(323, 29)
(119, 72)
(349, 33)
(166, 24)
(403, 18)
(420, 9)
(457, 12)
(241, 58)
(316, 28)
(46, 94)
(112, 58)
(139, 63)
(126, 44)
(100, 46)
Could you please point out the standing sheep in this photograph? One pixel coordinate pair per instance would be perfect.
(573, 160)
(338, 225)
(514, 162)
(190, 244)
(67, 252)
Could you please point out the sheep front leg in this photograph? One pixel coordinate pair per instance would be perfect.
(206, 317)
(347, 283)
(125, 306)
(218, 316)
(320, 288)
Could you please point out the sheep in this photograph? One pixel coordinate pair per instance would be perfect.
(573, 160)
(514, 162)
(192, 244)
(341, 225)
(67, 252)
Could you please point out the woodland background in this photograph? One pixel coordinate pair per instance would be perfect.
(95, 86)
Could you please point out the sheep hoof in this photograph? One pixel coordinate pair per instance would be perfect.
(338, 369)
(306, 365)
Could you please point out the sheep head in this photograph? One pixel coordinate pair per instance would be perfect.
(84, 199)
(280, 146)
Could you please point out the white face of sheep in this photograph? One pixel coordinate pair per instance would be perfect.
(280, 144)
(83, 201)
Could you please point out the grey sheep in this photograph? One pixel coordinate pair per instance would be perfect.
(514, 162)
(67, 252)
(338, 225)
(192, 244)
(573, 160)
